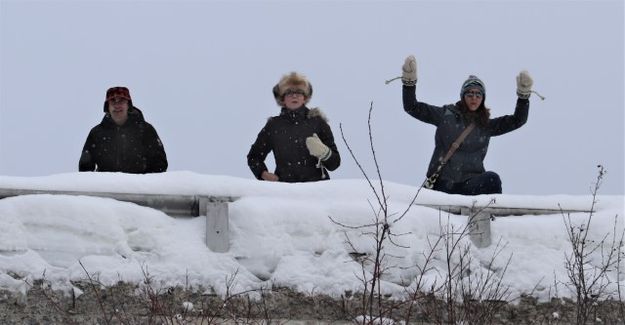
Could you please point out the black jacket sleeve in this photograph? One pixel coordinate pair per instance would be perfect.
(154, 150)
(259, 151)
(421, 111)
(327, 138)
(507, 123)
(86, 163)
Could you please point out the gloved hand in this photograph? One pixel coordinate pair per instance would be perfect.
(317, 148)
(409, 71)
(524, 85)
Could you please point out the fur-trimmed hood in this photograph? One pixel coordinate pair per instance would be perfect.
(310, 113)
(316, 112)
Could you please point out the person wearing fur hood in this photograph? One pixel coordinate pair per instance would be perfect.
(464, 172)
(299, 137)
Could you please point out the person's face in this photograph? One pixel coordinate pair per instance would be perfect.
(294, 98)
(118, 108)
(473, 99)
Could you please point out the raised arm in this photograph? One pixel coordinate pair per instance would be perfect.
(507, 123)
(421, 111)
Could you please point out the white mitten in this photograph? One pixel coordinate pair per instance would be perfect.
(317, 148)
(409, 71)
(524, 85)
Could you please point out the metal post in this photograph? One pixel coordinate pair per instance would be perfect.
(217, 225)
(480, 217)
(479, 226)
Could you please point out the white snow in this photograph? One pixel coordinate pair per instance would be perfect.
(280, 234)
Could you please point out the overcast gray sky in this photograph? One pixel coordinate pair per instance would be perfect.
(202, 72)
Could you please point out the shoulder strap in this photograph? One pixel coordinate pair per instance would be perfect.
(429, 182)
(456, 144)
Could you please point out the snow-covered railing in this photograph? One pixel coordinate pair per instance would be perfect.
(215, 208)
(480, 217)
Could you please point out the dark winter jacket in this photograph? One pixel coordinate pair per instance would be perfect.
(131, 148)
(286, 135)
(449, 120)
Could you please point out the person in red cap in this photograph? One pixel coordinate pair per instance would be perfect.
(123, 141)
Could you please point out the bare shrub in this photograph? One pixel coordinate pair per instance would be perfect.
(481, 292)
(373, 310)
(591, 262)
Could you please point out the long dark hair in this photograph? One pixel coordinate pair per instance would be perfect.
(480, 116)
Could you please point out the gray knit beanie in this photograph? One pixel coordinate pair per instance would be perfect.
(472, 82)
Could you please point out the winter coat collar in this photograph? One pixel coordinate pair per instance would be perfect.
(294, 114)
(302, 113)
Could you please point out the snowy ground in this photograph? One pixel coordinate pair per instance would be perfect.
(279, 234)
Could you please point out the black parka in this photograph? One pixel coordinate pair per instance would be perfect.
(286, 135)
(133, 147)
(449, 120)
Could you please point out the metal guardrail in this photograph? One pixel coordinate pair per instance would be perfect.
(500, 211)
(173, 205)
(480, 217)
(215, 208)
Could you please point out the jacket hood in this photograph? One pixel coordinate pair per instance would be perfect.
(106, 105)
(316, 112)
(304, 112)
(134, 115)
